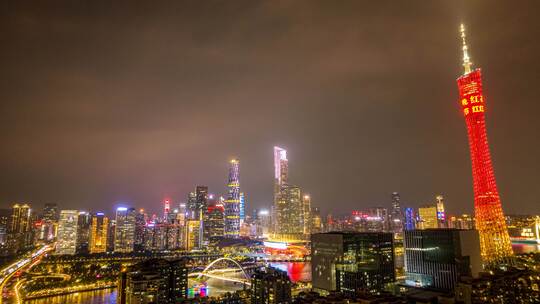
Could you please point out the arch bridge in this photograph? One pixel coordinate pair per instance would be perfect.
(208, 272)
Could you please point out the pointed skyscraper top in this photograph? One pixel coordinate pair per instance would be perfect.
(466, 60)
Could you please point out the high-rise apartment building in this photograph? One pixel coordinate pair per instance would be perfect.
(490, 221)
(19, 231)
(232, 203)
(67, 232)
(98, 233)
(124, 234)
(437, 258)
(352, 261)
(270, 286)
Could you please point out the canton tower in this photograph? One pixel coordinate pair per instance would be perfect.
(495, 243)
(232, 203)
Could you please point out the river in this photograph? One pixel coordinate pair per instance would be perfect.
(297, 271)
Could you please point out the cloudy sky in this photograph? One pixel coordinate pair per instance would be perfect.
(105, 104)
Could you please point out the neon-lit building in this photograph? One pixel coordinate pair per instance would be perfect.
(428, 217)
(232, 203)
(410, 220)
(98, 233)
(494, 239)
(242, 207)
(441, 214)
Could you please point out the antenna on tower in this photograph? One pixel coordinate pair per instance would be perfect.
(466, 60)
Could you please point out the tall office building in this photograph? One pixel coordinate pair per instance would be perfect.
(410, 219)
(306, 204)
(397, 214)
(290, 214)
(428, 217)
(98, 233)
(124, 234)
(140, 223)
(154, 281)
(270, 286)
(197, 203)
(352, 261)
(437, 258)
(490, 222)
(67, 232)
(84, 221)
(288, 209)
(215, 225)
(232, 203)
(50, 222)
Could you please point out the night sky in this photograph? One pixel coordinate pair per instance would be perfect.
(105, 104)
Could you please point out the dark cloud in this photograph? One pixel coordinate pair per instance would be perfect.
(103, 103)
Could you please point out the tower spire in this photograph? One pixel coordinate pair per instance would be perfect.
(466, 60)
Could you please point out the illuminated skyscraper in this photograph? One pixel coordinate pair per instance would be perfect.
(428, 217)
(306, 203)
(50, 221)
(288, 204)
(140, 223)
(397, 215)
(490, 223)
(19, 230)
(124, 234)
(67, 232)
(83, 231)
(166, 209)
(410, 219)
(242, 207)
(98, 233)
(441, 214)
(232, 203)
(197, 203)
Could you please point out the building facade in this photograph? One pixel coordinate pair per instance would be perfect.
(124, 232)
(437, 258)
(98, 233)
(67, 232)
(270, 286)
(349, 262)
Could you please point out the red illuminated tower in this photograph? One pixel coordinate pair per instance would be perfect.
(494, 240)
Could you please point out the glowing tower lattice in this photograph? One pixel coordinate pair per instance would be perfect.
(494, 239)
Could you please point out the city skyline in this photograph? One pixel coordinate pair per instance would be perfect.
(69, 140)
